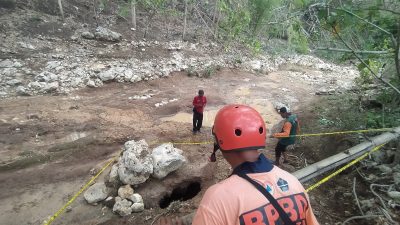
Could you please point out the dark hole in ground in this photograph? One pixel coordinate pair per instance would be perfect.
(183, 193)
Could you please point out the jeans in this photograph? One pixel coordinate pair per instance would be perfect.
(197, 120)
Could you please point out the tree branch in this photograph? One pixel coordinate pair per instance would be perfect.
(95, 13)
(205, 23)
(184, 21)
(397, 50)
(356, 51)
(361, 217)
(61, 9)
(364, 63)
(394, 43)
(366, 21)
(355, 196)
(133, 13)
(379, 9)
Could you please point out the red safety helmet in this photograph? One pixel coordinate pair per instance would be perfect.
(239, 127)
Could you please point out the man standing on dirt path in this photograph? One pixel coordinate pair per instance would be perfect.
(287, 136)
(199, 103)
(257, 192)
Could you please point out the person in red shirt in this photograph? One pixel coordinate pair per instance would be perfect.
(199, 103)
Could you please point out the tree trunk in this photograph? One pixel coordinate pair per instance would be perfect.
(184, 22)
(61, 9)
(347, 50)
(215, 19)
(216, 28)
(95, 13)
(133, 12)
(397, 52)
(215, 11)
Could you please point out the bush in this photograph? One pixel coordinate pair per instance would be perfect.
(211, 70)
(297, 39)
(192, 72)
(8, 4)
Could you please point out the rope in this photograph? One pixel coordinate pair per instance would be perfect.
(60, 211)
(298, 135)
(343, 132)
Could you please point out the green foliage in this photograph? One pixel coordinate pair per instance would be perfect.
(345, 112)
(366, 76)
(297, 39)
(208, 72)
(255, 45)
(326, 122)
(124, 10)
(238, 60)
(104, 4)
(211, 70)
(338, 112)
(237, 19)
(383, 118)
(191, 72)
(300, 3)
(170, 12)
(260, 11)
(153, 4)
(352, 21)
(35, 19)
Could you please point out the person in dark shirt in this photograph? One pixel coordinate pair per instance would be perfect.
(287, 137)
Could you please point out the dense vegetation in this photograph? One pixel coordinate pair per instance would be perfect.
(363, 32)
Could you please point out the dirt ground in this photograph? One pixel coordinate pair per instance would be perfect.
(49, 144)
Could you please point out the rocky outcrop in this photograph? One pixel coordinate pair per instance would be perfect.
(87, 35)
(166, 159)
(154, 190)
(137, 207)
(95, 193)
(136, 198)
(385, 169)
(104, 34)
(109, 202)
(77, 68)
(128, 203)
(125, 192)
(395, 195)
(122, 207)
(136, 163)
(107, 75)
(396, 178)
(113, 176)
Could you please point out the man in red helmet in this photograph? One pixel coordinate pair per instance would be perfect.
(257, 192)
(240, 133)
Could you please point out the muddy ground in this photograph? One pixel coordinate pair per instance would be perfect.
(49, 144)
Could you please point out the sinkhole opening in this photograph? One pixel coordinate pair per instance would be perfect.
(181, 193)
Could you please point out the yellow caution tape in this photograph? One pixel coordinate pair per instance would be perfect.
(298, 135)
(183, 143)
(60, 211)
(343, 132)
(192, 143)
(325, 179)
